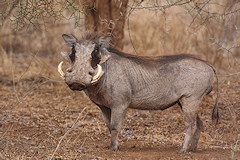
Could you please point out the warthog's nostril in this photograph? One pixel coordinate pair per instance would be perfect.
(91, 73)
(69, 70)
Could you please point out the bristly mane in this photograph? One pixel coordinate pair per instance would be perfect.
(154, 59)
(90, 37)
(140, 59)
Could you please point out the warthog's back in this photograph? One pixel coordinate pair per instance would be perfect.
(159, 82)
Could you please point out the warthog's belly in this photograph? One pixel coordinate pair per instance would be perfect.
(154, 100)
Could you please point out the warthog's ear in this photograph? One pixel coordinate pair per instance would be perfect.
(104, 41)
(105, 55)
(70, 39)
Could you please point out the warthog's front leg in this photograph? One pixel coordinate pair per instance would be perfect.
(117, 118)
(106, 115)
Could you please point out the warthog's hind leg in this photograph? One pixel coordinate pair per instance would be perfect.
(190, 109)
(196, 136)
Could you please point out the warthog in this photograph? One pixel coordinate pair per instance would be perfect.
(115, 81)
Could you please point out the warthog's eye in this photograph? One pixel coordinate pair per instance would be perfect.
(72, 55)
(95, 57)
(95, 51)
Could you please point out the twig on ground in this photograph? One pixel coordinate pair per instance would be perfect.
(6, 132)
(68, 131)
(236, 147)
(231, 74)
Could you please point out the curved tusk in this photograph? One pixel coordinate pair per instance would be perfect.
(60, 70)
(98, 75)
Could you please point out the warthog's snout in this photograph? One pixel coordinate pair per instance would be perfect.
(75, 82)
(76, 86)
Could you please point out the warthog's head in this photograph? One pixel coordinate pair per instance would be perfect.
(85, 60)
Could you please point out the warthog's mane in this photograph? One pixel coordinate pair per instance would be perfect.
(154, 59)
(90, 37)
(93, 37)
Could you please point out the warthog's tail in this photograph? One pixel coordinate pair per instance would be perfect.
(215, 114)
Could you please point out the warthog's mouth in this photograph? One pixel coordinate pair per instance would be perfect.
(95, 78)
(76, 86)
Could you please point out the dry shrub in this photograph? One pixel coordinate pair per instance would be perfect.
(33, 53)
(174, 31)
(6, 62)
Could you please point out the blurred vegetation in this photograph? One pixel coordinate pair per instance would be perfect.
(33, 12)
(208, 28)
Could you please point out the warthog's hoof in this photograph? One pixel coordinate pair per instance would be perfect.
(181, 151)
(192, 149)
(114, 147)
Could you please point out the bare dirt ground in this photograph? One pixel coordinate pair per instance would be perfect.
(37, 114)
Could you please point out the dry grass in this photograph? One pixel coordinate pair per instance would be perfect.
(36, 108)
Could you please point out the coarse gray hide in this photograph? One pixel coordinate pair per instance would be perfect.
(115, 81)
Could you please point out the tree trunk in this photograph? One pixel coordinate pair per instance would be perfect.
(106, 17)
